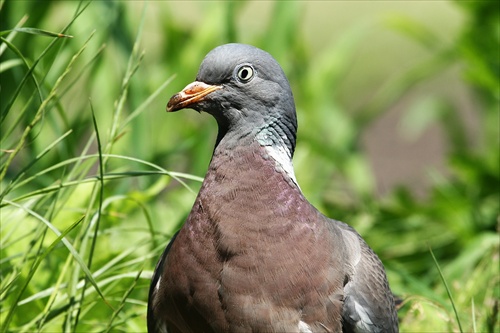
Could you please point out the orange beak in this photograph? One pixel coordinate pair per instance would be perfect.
(192, 93)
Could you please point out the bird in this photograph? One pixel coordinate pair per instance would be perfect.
(254, 255)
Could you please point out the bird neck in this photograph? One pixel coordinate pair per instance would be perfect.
(247, 181)
(280, 150)
(275, 141)
(278, 134)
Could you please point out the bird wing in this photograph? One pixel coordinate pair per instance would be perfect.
(156, 325)
(368, 301)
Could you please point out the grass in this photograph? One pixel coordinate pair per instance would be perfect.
(95, 178)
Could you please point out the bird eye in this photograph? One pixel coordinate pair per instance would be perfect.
(245, 73)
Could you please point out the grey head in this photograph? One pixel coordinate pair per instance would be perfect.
(246, 91)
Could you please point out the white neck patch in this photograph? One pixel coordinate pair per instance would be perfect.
(281, 155)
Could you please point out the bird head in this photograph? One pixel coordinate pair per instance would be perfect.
(246, 91)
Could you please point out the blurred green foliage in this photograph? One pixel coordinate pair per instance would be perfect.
(91, 168)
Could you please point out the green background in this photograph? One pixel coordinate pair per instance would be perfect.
(398, 108)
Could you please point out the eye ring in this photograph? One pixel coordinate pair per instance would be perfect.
(245, 73)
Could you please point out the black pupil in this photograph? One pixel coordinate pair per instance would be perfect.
(244, 73)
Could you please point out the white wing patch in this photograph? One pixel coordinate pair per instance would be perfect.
(304, 328)
(365, 324)
(157, 287)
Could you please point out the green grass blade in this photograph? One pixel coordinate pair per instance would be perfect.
(66, 243)
(99, 209)
(11, 36)
(7, 108)
(40, 112)
(40, 32)
(15, 178)
(148, 101)
(40, 258)
(448, 291)
(8, 64)
(122, 303)
(30, 73)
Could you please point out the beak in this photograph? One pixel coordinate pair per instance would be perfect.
(192, 93)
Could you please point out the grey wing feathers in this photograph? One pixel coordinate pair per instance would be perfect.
(156, 325)
(368, 301)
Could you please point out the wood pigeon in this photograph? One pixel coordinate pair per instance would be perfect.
(254, 255)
